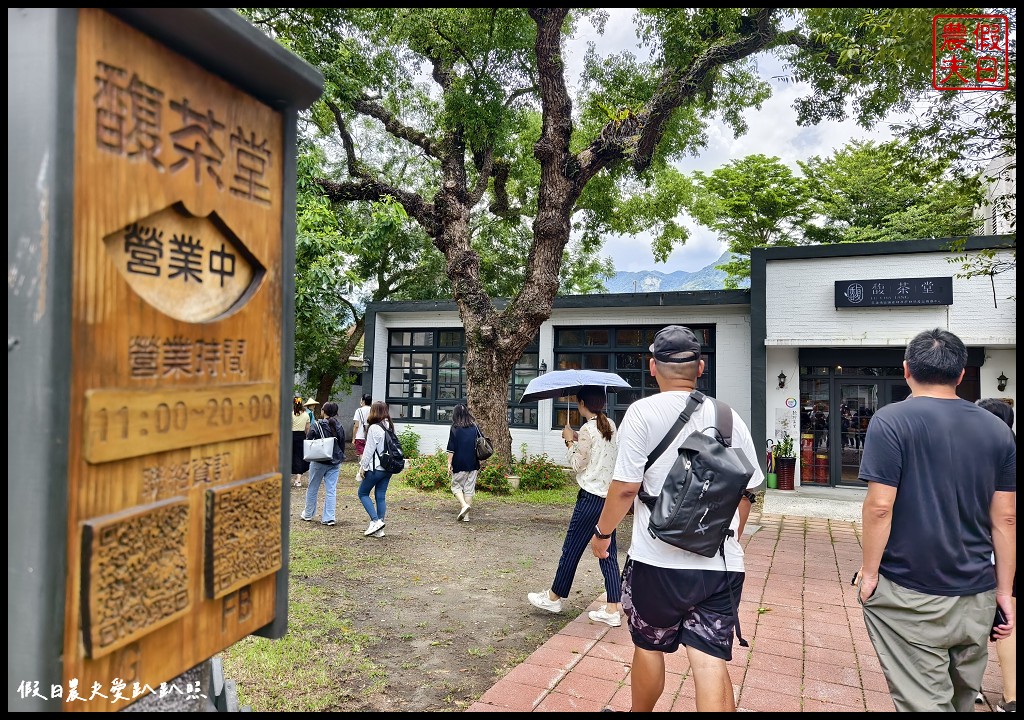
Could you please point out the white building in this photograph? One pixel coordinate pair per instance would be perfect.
(833, 320)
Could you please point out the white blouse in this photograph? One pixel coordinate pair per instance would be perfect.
(593, 458)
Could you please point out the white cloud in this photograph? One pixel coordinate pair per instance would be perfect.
(773, 131)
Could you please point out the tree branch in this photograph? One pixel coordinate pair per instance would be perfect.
(397, 129)
(371, 190)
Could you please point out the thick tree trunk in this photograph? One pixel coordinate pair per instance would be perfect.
(323, 388)
(488, 397)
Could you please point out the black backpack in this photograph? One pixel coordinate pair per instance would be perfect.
(703, 488)
(391, 460)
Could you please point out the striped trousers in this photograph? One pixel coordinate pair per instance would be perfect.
(577, 540)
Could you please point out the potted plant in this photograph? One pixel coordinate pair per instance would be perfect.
(785, 462)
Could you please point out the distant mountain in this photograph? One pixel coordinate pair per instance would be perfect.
(707, 278)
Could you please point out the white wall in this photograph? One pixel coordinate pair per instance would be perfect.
(801, 312)
(999, 361)
(800, 299)
(732, 364)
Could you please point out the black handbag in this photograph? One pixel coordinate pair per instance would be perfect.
(484, 448)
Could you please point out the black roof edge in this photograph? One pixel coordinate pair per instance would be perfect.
(889, 247)
(680, 298)
(228, 45)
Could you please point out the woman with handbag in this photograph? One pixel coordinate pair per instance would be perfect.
(463, 464)
(591, 453)
(325, 469)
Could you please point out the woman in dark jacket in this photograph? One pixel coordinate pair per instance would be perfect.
(462, 462)
(323, 470)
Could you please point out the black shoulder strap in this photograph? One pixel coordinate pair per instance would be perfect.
(695, 399)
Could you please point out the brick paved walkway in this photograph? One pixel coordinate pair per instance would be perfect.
(809, 650)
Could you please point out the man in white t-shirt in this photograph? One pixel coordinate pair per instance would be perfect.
(359, 423)
(673, 597)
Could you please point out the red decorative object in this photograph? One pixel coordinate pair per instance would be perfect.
(785, 472)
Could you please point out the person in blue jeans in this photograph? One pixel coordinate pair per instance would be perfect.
(325, 471)
(371, 476)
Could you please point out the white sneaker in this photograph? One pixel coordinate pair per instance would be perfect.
(373, 527)
(465, 518)
(541, 600)
(379, 533)
(602, 615)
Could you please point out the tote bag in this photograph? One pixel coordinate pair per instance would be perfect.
(319, 449)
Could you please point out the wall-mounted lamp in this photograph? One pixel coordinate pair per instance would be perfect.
(782, 380)
(1002, 380)
(543, 367)
(366, 365)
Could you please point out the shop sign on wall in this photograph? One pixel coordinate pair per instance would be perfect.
(892, 292)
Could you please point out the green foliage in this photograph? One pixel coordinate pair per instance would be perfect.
(784, 447)
(409, 440)
(752, 202)
(429, 472)
(493, 477)
(539, 472)
(867, 192)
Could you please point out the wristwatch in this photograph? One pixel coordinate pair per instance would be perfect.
(601, 535)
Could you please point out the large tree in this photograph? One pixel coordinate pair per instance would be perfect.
(756, 201)
(868, 192)
(478, 100)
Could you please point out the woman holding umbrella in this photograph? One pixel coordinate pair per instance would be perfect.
(592, 457)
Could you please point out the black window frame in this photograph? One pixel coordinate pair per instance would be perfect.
(627, 357)
(438, 402)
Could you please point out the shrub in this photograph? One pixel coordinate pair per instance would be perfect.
(539, 472)
(409, 439)
(429, 472)
(493, 476)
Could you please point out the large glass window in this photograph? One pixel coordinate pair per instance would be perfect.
(624, 351)
(426, 376)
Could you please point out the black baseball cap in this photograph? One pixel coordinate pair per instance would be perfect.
(675, 344)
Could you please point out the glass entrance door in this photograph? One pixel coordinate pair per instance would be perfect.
(858, 402)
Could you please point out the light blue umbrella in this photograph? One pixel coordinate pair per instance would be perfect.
(561, 383)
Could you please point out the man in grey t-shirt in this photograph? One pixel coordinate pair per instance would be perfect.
(941, 499)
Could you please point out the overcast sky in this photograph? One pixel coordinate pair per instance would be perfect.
(773, 131)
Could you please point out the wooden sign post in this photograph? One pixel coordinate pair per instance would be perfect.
(180, 212)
